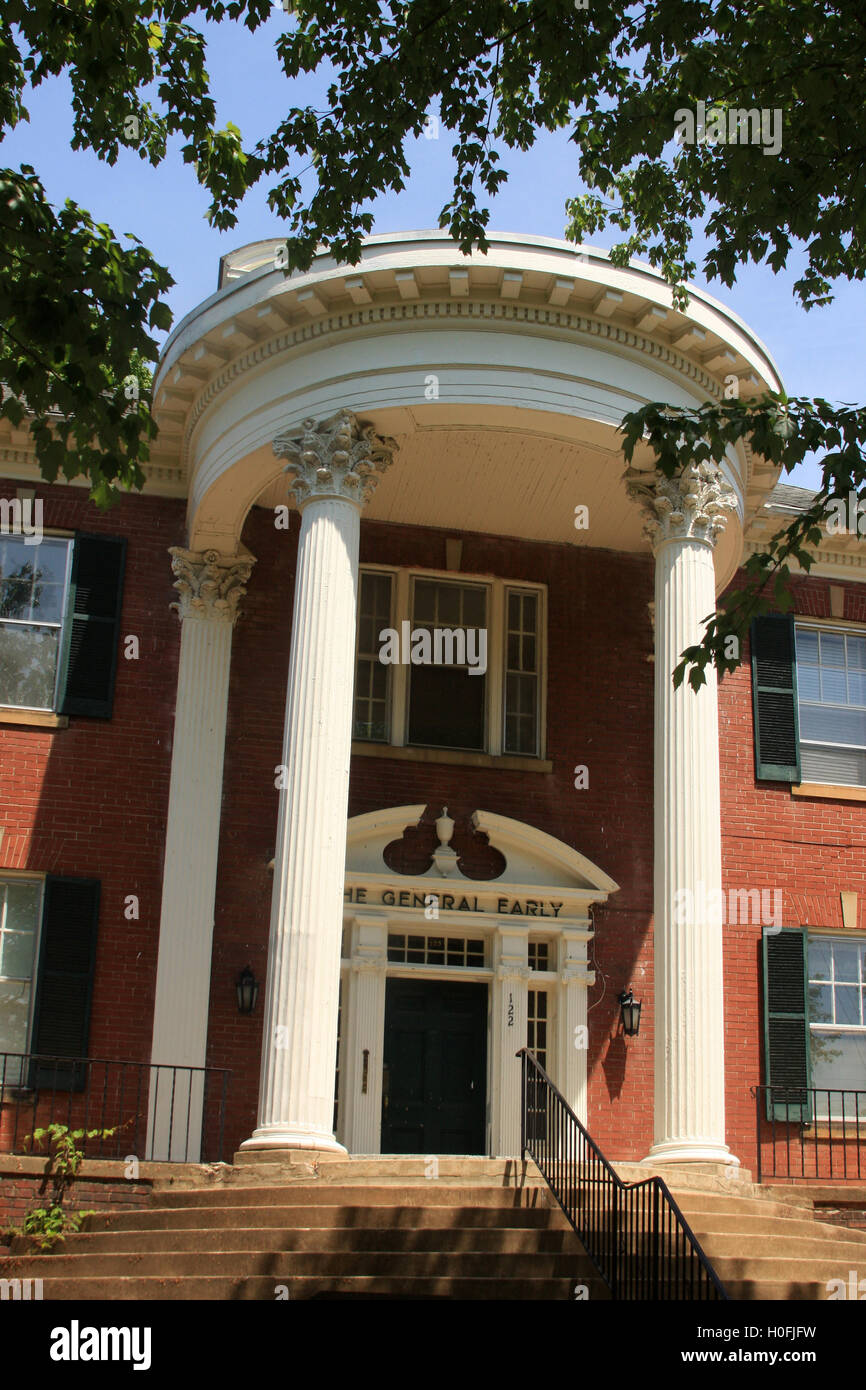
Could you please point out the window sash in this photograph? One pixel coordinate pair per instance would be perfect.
(524, 642)
(831, 725)
(59, 626)
(497, 707)
(367, 663)
(19, 988)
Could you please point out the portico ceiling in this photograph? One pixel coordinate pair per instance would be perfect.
(503, 482)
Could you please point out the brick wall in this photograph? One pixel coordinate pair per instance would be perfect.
(90, 800)
(22, 1192)
(810, 848)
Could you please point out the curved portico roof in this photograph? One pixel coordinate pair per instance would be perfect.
(503, 377)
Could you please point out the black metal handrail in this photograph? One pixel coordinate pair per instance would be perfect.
(162, 1112)
(634, 1233)
(812, 1132)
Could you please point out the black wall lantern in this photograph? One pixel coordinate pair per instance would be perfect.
(248, 991)
(629, 1009)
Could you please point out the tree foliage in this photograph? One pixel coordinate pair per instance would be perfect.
(75, 303)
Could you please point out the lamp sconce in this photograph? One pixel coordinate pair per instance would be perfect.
(247, 987)
(629, 1012)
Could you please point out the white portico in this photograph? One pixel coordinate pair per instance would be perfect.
(471, 394)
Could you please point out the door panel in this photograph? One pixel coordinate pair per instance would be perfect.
(434, 1091)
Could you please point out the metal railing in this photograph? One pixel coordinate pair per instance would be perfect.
(810, 1132)
(160, 1112)
(634, 1233)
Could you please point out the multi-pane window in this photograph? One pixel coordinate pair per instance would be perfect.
(447, 698)
(371, 679)
(435, 950)
(539, 955)
(33, 589)
(449, 663)
(536, 1024)
(831, 688)
(837, 1015)
(20, 907)
(521, 672)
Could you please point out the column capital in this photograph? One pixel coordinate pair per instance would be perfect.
(210, 585)
(512, 971)
(691, 506)
(576, 975)
(373, 964)
(338, 457)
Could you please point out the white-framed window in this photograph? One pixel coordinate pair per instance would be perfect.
(34, 589)
(837, 1019)
(488, 693)
(831, 696)
(20, 917)
(536, 1024)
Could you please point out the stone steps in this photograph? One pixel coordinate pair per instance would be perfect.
(378, 1228)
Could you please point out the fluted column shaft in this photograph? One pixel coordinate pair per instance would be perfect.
(687, 515)
(689, 1070)
(210, 587)
(332, 466)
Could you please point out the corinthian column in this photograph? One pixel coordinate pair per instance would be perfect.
(333, 467)
(210, 586)
(685, 517)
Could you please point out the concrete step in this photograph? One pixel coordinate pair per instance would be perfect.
(803, 1245)
(494, 1240)
(262, 1287)
(283, 1264)
(759, 1227)
(782, 1268)
(369, 1194)
(490, 1172)
(776, 1291)
(304, 1214)
(826, 1194)
(692, 1202)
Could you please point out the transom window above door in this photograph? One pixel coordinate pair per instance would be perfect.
(450, 662)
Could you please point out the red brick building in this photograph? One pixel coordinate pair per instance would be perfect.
(253, 777)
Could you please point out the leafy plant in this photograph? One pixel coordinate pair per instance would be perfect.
(50, 1222)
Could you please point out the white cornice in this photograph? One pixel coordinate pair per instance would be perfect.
(508, 315)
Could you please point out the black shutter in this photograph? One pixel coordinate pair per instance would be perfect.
(774, 698)
(786, 1025)
(64, 980)
(93, 626)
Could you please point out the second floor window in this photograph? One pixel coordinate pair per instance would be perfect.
(461, 669)
(34, 581)
(60, 607)
(831, 688)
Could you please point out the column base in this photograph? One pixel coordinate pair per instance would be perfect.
(287, 1139)
(691, 1151)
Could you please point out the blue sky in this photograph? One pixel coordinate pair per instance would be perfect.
(819, 353)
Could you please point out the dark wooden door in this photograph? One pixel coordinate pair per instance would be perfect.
(434, 1091)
